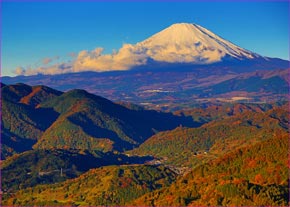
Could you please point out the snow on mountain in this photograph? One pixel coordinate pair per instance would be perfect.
(185, 42)
(179, 43)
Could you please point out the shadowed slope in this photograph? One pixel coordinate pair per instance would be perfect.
(91, 122)
(22, 123)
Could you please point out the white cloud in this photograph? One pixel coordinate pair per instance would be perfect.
(127, 57)
(124, 59)
(179, 43)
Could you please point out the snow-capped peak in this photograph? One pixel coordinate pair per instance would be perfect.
(185, 42)
(179, 43)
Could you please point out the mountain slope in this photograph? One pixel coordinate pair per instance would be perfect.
(87, 121)
(36, 167)
(22, 122)
(246, 165)
(189, 146)
(29, 95)
(239, 157)
(253, 175)
(75, 119)
(112, 185)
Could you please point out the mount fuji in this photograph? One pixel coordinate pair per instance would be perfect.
(190, 43)
(183, 63)
(188, 46)
(181, 46)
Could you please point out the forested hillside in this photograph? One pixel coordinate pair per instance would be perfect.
(74, 148)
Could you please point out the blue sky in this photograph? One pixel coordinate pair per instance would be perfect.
(35, 33)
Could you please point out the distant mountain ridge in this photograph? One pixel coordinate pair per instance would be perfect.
(174, 87)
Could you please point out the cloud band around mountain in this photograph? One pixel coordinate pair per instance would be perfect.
(126, 58)
(179, 43)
